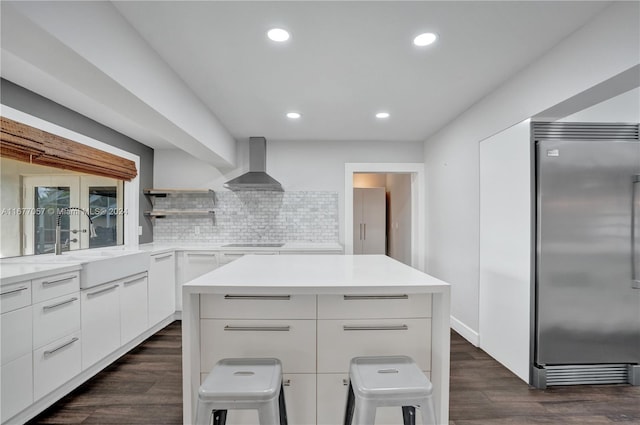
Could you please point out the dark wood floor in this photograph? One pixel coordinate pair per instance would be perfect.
(144, 387)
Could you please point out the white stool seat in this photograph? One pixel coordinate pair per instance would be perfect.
(388, 381)
(243, 384)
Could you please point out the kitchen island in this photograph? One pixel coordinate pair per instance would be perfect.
(314, 313)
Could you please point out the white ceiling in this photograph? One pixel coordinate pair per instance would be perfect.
(345, 61)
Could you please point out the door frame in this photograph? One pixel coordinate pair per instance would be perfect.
(29, 183)
(418, 237)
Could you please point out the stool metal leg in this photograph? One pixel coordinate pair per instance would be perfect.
(283, 407)
(268, 414)
(409, 415)
(219, 417)
(428, 414)
(348, 413)
(365, 412)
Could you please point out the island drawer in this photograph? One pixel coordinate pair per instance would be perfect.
(15, 296)
(55, 286)
(341, 340)
(374, 306)
(247, 306)
(291, 341)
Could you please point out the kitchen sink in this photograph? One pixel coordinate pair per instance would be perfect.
(254, 245)
(98, 267)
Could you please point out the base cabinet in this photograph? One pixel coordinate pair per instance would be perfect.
(16, 386)
(133, 307)
(162, 287)
(100, 321)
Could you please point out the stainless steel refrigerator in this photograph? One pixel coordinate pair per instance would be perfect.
(587, 259)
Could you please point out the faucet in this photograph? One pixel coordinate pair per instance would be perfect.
(92, 229)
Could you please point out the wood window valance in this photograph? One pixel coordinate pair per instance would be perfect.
(29, 144)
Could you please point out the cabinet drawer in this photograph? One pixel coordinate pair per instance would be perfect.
(16, 334)
(100, 322)
(14, 296)
(332, 400)
(55, 363)
(341, 340)
(55, 286)
(299, 396)
(291, 341)
(236, 306)
(374, 306)
(55, 318)
(16, 386)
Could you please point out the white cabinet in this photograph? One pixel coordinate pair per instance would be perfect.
(56, 363)
(16, 383)
(16, 386)
(369, 220)
(162, 287)
(55, 318)
(100, 320)
(133, 307)
(113, 314)
(193, 264)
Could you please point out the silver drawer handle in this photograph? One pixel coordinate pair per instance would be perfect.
(13, 291)
(286, 382)
(376, 328)
(376, 297)
(258, 328)
(258, 297)
(102, 290)
(162, 257)
(55, 282)
(129, 282)
(201, 254)
(49, 307)
(50, 352)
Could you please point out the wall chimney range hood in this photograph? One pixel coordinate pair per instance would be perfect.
(256, 178)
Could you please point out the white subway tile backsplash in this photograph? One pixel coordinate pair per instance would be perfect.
(250, 217)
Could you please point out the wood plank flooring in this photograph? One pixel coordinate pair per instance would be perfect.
(144, 387)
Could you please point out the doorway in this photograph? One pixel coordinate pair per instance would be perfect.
(407, 242)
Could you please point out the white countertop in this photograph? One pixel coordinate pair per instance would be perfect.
(316, 274)
(17, 272)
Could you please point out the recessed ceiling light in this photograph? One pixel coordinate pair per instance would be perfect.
(278, 34)
(382, 115)
(293, 115)
(425, 39)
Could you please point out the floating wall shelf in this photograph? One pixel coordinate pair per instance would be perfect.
(163, 193)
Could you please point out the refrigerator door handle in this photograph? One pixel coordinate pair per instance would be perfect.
(635, 228)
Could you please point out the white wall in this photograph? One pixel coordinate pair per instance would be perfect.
(298, 166)
(605, 47)
(505, 247)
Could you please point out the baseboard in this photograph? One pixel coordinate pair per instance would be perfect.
(465, 331)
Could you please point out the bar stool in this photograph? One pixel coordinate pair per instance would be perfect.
(243, 384)
(387, 381)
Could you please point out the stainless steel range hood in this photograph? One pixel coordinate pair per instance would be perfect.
(256, 178)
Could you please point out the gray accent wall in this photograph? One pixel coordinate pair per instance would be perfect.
(24, 100)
